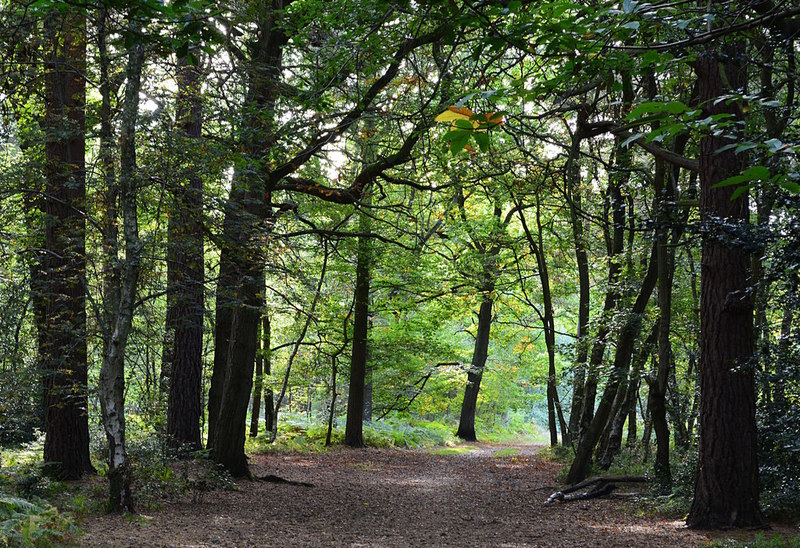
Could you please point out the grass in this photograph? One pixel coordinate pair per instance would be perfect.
(509, 452)
(458, 450)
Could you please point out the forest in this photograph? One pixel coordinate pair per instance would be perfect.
(235, 229)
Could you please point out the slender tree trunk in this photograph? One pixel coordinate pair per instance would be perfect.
(59, 278)
(112, 371)
(726, 490)
(299, 341)
(548, 321)
(632, 435)
(258, 384)
(582, 262)
(466, 424)
(269, 405)
(622, 358)
(616, 246)
(185, 278)
(332, 410)
(658, 386)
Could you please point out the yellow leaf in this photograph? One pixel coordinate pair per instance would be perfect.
(454, 113)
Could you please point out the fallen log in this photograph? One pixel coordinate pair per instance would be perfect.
(604, 486)
(270, 478)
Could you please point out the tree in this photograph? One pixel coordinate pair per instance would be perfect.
(183, 344)
(112, 372)
(726, 490)
(59, 277)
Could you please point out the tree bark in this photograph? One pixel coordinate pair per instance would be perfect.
(582, 262)
(466, 423)
(726, 490)
(258, 383)
(353, 436)
(112, 371)
(241, 281)
(658, 388)
(58, 283)
(185, 278)
(616, 246)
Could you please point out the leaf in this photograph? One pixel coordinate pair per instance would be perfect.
(774, 145)
(739, 191)
(755, 173)
(676, 107)
(629, 6)
(791, 186)
(631, 139)
(454, 113)
(458, 141)
(483, 141)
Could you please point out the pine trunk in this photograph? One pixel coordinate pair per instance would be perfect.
(59, 277)
(726, 490)
(185, 276)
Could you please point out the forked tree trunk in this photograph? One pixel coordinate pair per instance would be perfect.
(622, 358)
(241, 281)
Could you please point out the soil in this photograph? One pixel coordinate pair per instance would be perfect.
(475, 495)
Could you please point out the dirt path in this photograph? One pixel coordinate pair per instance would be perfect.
(489, 495)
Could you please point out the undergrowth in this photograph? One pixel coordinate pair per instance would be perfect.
(295, 434)
(761, 540)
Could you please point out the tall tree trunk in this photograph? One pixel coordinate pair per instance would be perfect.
(241, 280)
(59, 278)
(582, 262)
(185, 277)
(112, 371)
(726, 490)
(258, 385)
(466, 423)
(358, 365)
(616, 246)
(334, 394)
(549, 327)
(658, 387)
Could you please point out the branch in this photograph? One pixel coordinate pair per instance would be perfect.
(659, 152)
(351, 117)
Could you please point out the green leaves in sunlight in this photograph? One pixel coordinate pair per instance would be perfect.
(465, 124)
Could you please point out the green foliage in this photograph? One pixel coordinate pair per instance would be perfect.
(296, 435)
(761, 540)
(460, 450)
(25, 523)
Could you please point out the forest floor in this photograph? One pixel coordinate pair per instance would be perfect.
(472, 495)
